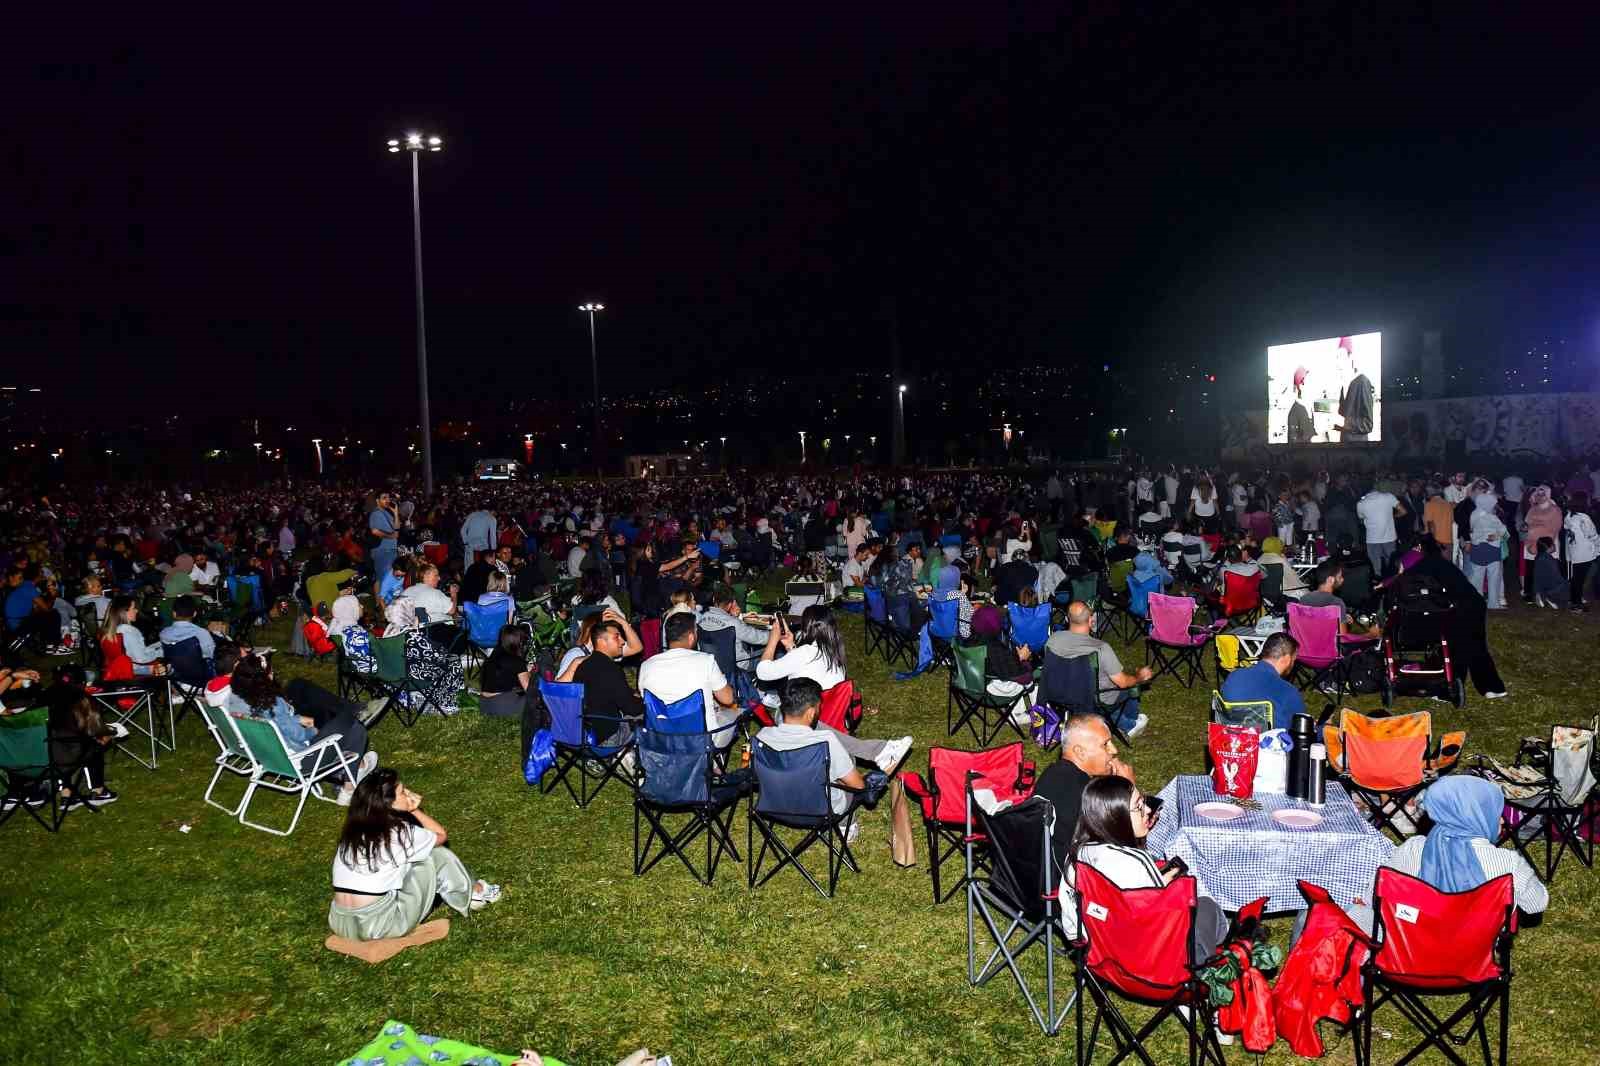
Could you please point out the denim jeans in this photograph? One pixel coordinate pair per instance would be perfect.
(1127, 714)
(1489, 579)
(1380, 555)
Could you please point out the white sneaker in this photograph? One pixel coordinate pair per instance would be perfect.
(851, 834)
(893, 752)
(1139, 727)
(1502, 694)
(347, 792)
(369, 763)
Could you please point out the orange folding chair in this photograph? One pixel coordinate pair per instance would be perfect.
(1387, 761)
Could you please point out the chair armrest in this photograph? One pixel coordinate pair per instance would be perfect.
(914, 785)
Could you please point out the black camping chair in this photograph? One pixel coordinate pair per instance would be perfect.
(1071, 685)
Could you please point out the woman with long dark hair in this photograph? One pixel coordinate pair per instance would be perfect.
(391, 862)
(507, 667)
(1113, 822)
(816, 652)
(256, 692)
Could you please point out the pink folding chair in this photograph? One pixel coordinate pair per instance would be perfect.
(1325, 652)
(1174, 643)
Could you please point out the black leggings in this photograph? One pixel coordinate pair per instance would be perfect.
(316, 702)
(1580, 576)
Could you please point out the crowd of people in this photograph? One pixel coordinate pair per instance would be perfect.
(355, 566)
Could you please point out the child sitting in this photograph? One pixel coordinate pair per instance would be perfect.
(1549, 583)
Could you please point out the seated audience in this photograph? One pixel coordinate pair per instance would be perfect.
(1078, 639)
(681, 668)
(506, 669)
(184, 609)
(257, 693)
(425, 594)
(119, 626)
(606, 691)
(802, 700)
(1326, 581)
(1087, 752)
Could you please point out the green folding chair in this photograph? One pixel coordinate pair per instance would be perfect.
(232, 756)
(274, 767)
(970, 703)
(1257, 714)
(26, 770)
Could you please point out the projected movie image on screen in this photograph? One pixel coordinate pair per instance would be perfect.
(1325, 391)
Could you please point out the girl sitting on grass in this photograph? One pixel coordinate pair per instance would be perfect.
(391, 862)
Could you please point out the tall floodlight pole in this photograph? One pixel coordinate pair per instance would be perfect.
(899, 446)
(594, 362)
(416, 144)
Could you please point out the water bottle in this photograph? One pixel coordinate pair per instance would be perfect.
(1300, 729)
(1316, 781)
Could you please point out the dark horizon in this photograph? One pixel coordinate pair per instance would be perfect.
(212, 218)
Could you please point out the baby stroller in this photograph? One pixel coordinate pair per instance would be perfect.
(1416, 649)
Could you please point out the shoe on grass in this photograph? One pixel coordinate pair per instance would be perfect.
(893, 752)
(483, 894)
(1139, 726)
(1502, 694)
(101, 798)
(369, 763)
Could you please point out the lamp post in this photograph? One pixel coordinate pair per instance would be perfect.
(317, 443)
(802, 447)
(899, 447)
(594, 361)
(416, 144)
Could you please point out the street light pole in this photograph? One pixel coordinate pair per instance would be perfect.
(416, 144)
(594, 362)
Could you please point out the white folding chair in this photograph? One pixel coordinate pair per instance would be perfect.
(232, 756)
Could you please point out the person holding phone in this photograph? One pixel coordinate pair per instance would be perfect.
(1113, 823)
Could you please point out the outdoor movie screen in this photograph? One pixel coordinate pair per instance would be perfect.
(1326, 391)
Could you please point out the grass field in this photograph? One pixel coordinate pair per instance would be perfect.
(124, 940)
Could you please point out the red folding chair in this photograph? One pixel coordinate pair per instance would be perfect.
(1433, 943)
(1137, 945)
(942, 797)
(1240, 600)
(842, 707)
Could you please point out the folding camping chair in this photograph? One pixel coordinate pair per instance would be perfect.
(125, 706)
(1140, 590)
(276, 768)
(679, 775)
(842, 707)
(575, 745)
(1257, 714)
(1387, 761)
(1085, 589)
(33, 779)
(1137, 947)
(351, 682)
(1019, 886)
(969, 702)
(1230, 655)
(1433, 943)
(942, 796)
(1174, 644)
(1548, 790)
(944, 626)
(1324, 655)
(1240, 599)
(188, 671)
(883, 637)
(232, 756)
(1071, 685)
(1030, 626)
(795, 792)
(482, 631)
(403, 692)
(1114, 612)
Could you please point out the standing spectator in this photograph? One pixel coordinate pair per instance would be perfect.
(479, 533)
(384, 526)
(1378, 510)
(1583, 547)
(1542, 520)
(1483, 561)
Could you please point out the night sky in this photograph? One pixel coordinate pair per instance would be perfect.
(203, 208)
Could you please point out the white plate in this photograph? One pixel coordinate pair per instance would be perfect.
(1295, 818)
(1218, 811)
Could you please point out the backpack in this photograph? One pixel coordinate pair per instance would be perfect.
(1365, 671)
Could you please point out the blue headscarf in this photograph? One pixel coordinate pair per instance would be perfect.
(1145, 564)
(1463, 809)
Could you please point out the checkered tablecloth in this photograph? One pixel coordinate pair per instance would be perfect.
(1252, 855)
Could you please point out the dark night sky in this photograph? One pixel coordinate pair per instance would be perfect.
(210, 197)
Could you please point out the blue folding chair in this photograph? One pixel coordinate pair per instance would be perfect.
(944, 625)
(1139, 590)
(723, 645)
(680, 775)
(483, 629)
(794, 792)
(575, 745)
(1029, 625)
(188, 671)
(711, 549)
(883, 636)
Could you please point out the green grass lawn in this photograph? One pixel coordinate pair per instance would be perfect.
(124, 940)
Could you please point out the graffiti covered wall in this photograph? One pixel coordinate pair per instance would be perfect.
(1547, 426)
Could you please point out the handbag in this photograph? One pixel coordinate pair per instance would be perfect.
(541, 756)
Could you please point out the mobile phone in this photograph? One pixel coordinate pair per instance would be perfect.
(1177, 863)
(1153, 804)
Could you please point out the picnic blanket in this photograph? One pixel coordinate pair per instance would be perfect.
(400, 1045)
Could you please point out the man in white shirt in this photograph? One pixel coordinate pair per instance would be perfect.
(205, 574)
(479, 533)
(855, 571)
(425, 594)
(1377, 511)
(1456, 491)
(576, 556)
(680, 669)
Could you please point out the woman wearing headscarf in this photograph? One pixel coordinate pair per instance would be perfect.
(1543, 519)
(1008, 670)
(949, 586)
(1459, 853)
(433, 668)
(1483, 563)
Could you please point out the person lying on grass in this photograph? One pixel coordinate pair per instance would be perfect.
(391, 862)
